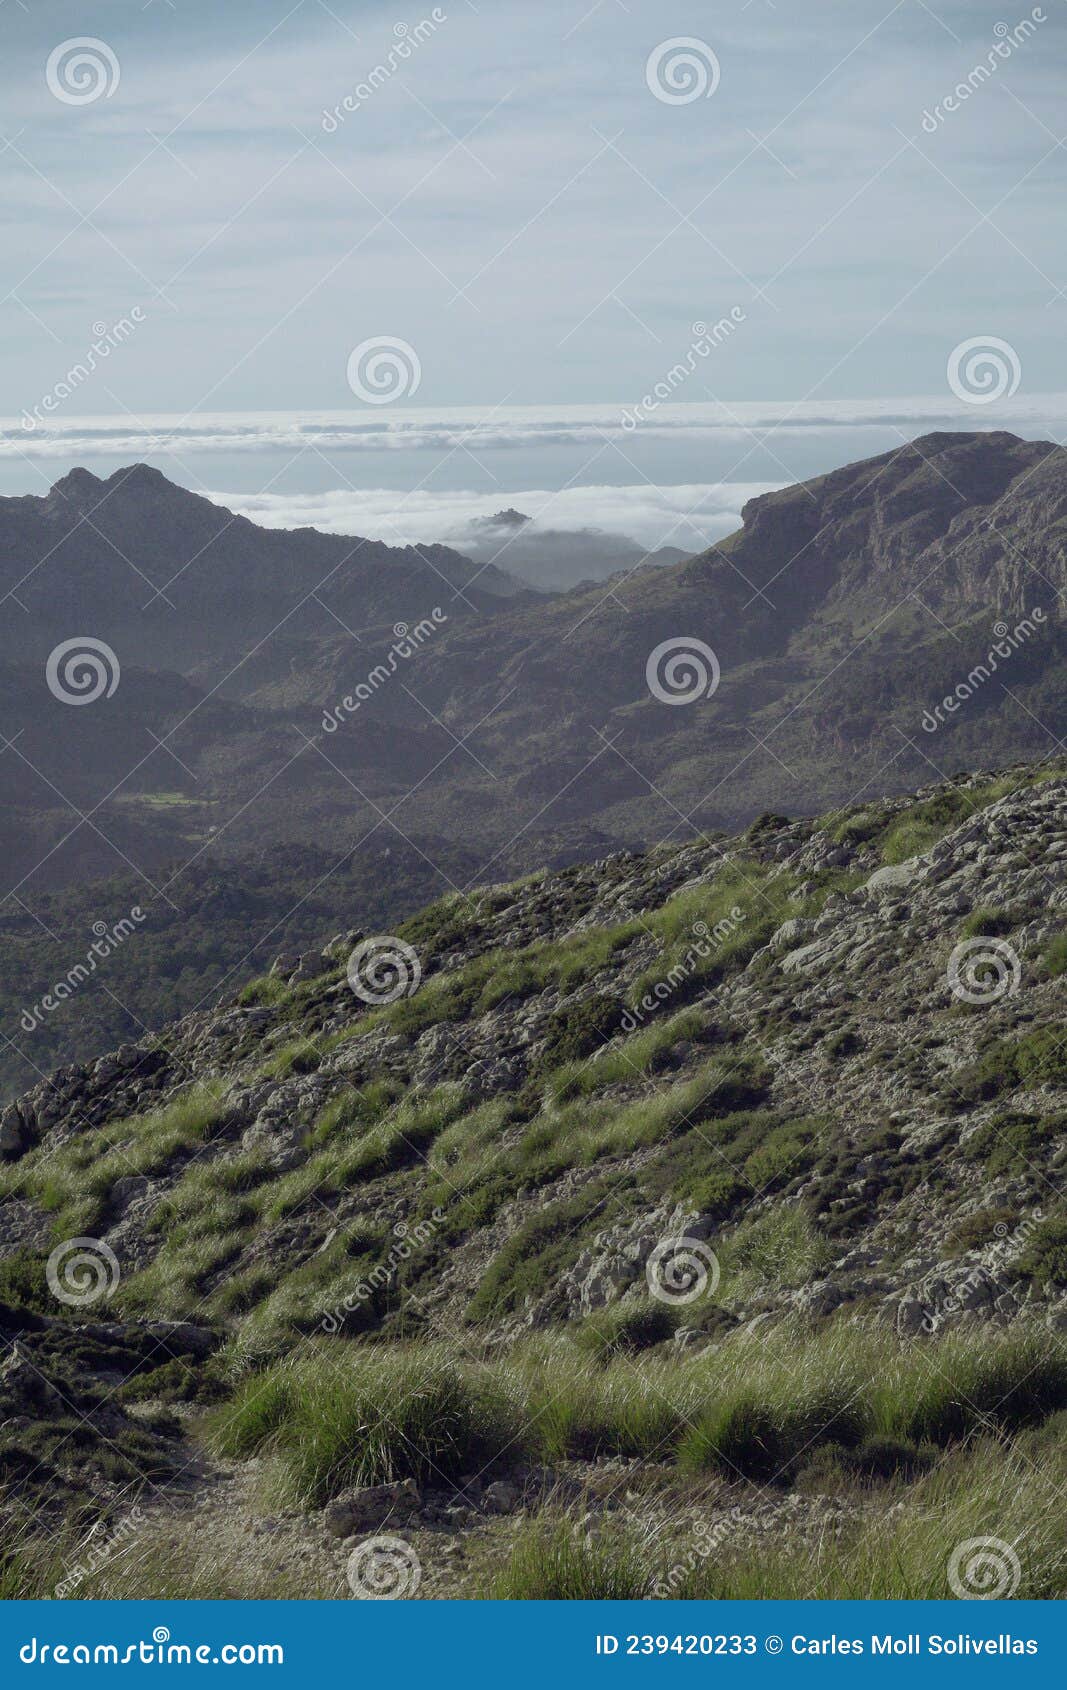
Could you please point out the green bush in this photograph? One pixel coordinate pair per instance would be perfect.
(1014, 1143)
(1045, 1258)
(581, 1029)
(981, 1228)
(1054, 959)
(846, 1042)
(1036, 1058)
(24, 1285)
(785, 1155)
(987, 924)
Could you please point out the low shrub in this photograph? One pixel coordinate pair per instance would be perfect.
(988, 924)
(980, 1229)
(1014, 1143)
(1054, 959)
(1045, 1258)
(1036, 1058)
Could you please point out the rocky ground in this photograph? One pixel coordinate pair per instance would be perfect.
(828, 1056)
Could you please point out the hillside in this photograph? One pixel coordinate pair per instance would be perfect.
(703, 1199)
(516, 730)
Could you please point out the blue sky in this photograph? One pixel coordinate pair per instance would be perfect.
(516, 204)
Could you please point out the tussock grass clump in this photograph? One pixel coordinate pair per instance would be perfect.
(781, 1248)
(554, 1563)
(945, 1392)
(368, 1417)
(745, 1410)
(267, 989)
(627, 1329)
(635, 1407)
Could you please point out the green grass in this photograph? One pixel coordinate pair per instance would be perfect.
(75, 1181)
(779, 1250)
(896, 1553)
(626, 1329)
(988, 923)
(552, 1562)
(218, 1213)
(267, 989)
(332, 1420)
(923, 824)
(637, 1058)
(339, 1415)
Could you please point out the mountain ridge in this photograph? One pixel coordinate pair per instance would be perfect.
(531, 718)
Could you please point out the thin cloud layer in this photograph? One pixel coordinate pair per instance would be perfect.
(504, 428)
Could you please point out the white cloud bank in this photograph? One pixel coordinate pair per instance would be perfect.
(447, 429)
(687, 516)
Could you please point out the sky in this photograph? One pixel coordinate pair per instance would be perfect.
(538, 208)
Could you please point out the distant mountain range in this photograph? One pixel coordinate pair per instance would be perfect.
(296, 696)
